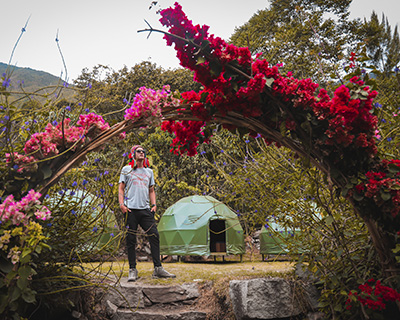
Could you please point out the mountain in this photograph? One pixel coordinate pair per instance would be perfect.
(30, 79)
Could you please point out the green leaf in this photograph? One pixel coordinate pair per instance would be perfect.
(385, 196)
(204, 96)
(3, 302)
(215, 68)
(25, 259)
(15, 293)
(47, 172)
(205, 46)
(357, 196)
(5, 265)
(329, 220)
(282, 128)
(269, 82)
(25, 252)
(22, 283)
(29, 295)
(344, 192)
(25, 271)
(200, 60)
(11, 275)
(338, 308)
(397, 249)
(393, 168)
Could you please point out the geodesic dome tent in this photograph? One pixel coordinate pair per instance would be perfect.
(103, 222)
(274, 241)
(200, 225)
(274, 236)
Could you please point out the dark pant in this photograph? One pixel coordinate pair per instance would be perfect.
(144, 218)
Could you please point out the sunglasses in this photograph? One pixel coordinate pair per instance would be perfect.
(140, 151)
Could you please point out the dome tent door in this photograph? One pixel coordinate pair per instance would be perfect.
(217, 229)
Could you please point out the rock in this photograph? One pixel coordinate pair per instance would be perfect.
(316, 316)
(169, 294)
(142, 315)
(142, 258)
(308, 279)
(111, 308)
(75, 314)
(302, 273)
(126, 295)
(312, 295)
(270, 298)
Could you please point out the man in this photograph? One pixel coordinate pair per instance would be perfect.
(137, 200)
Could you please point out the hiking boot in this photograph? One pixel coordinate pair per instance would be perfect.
(133, 275)
(160, 272)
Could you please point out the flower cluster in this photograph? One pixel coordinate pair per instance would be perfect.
(382, 185)
(350, 119)
(92, 124)
(373, 295)
(57, 137)
(18, 211)
(23, 162)
(149, 103)
(18, 231)
(188, 134)
(234, 82)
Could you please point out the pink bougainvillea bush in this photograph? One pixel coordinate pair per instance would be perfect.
(21, 238)
(55, 139)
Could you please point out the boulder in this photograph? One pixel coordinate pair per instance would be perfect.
(266, 298)
(170, 294)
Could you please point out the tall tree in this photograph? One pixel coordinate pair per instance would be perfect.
(299, 33)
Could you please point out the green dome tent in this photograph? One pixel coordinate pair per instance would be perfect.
(83, 203)
(200, 225)
(274, 237)
(274, 241)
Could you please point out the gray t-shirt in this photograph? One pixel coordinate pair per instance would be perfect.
(137, 184)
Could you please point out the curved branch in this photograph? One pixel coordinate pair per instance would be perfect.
(99, 141)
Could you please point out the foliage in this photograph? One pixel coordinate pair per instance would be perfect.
(301, 36)
(22, 239)
(269, 186)
(375, 296)
(176, 176)
(112, 91)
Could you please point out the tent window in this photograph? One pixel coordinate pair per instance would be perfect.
(217, 236)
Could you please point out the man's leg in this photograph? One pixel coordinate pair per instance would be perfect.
(132, 224)
(148, 224)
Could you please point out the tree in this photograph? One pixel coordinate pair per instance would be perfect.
(111, 91)
(300, 35)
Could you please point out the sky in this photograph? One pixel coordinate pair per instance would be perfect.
(92, 32)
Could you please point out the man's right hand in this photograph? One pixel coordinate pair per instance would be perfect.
(123, 208)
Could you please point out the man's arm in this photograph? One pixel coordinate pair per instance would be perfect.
(121, 194)
(152, 195)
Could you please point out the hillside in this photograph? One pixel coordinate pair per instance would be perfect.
(31, 79)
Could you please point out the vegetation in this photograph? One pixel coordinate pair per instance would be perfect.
(76, 172)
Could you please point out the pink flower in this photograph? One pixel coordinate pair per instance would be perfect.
(19, 212)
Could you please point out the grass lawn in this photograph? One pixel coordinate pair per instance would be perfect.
(195, 271)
